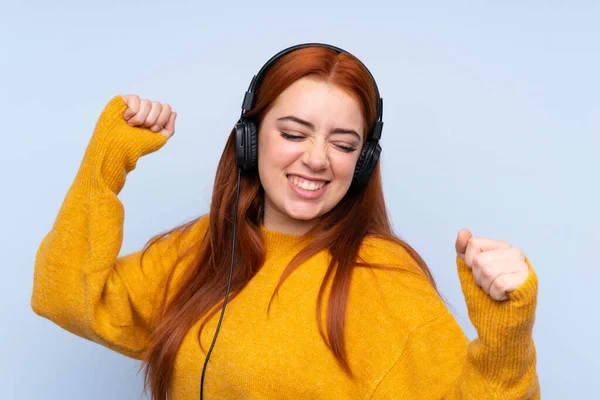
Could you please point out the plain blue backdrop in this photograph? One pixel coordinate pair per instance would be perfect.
(492, 117)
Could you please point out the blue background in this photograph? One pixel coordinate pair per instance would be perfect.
(492, 117)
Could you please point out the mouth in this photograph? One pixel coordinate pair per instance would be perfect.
(305, 183)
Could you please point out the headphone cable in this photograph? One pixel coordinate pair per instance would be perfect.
(237, 198)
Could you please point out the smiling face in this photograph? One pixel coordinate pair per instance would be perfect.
(308, 146)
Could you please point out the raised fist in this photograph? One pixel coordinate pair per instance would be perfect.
(149, 114)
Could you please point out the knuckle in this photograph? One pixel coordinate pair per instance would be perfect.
(479, 259)
(134, 102)
(473, 242)
(486, 271)
(499, 284)
(129, 101)
(518, 252)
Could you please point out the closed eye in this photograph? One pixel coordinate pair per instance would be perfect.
(345, 148)
(286, 135)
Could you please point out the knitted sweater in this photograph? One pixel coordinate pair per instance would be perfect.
(402, 342)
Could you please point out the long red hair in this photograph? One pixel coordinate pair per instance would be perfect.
(340, 231)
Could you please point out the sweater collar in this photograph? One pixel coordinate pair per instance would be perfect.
(278, 242)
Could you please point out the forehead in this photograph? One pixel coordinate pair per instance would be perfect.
(324, 104)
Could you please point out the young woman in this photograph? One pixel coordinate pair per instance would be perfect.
(325, 302)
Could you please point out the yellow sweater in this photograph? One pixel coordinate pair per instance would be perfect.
(402, 341)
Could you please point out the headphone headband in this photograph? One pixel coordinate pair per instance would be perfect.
(248, 101)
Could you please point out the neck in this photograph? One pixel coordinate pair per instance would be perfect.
(288, 225)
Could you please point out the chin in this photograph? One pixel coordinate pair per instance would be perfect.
(303, 216)
(304, 212)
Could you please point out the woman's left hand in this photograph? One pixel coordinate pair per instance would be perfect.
(498, 268)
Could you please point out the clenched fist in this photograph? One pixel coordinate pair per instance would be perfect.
(150, 114)
(498, 268)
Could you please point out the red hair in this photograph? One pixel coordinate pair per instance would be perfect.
(341, 231)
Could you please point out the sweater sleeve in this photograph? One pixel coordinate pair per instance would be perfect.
(499, 364)
(80, 283)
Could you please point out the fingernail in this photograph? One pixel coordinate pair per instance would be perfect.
(155, 128)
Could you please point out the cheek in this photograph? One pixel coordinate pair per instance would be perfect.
(343, 165)
(274, 157)
(278, 153)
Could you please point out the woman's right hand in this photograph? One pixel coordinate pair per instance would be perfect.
(150, 114)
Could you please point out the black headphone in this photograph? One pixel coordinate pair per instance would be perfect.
(246, 158)
(246, 130)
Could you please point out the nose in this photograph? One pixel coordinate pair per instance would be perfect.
(315, 156)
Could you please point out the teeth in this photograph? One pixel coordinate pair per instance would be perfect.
(306, 185)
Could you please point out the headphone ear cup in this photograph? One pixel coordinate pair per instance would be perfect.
(246, 147)
(252, 132)
(240, 144)
(367, 161)
(359, 163)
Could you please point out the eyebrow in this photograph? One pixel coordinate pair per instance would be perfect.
(312, 127)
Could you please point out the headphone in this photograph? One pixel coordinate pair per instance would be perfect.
(246, 158)
(246, 130)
